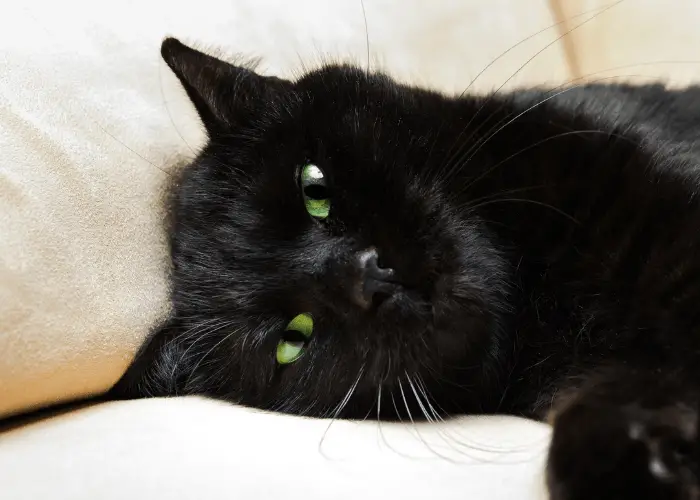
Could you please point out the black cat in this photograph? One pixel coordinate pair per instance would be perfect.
(347, 246)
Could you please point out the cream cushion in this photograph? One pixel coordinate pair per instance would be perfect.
(191, 448)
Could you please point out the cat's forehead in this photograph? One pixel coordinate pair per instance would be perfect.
(347, 78)
(349, 101)
(336, 88)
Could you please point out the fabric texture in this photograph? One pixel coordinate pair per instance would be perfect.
(190, 448)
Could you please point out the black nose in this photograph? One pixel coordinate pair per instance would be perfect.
(372, 283)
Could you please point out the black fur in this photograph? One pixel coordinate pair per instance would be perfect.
(546, 244)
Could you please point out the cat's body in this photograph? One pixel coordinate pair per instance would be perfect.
(534, 253)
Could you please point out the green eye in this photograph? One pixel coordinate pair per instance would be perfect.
(289, 352)
(302, 323)
(297, 333)
(315, 191)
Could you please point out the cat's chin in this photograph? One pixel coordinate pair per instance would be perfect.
(453, 314)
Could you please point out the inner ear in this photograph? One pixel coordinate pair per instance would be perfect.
(225, 95)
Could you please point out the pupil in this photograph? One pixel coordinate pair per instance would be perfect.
(293, 336)
(316, 192)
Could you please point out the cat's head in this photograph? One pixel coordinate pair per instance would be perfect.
(320, 264)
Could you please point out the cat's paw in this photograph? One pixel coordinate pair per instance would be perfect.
(624, 453)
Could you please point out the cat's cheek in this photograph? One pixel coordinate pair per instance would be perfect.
(450, 345)
(457, 332)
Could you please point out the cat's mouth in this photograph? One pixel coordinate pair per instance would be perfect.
(403, 300)
(373, 293)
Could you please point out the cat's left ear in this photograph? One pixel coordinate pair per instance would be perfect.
(223, 94)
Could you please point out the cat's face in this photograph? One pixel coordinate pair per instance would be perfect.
(320, 265)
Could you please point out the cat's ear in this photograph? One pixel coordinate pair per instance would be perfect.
(223, 94)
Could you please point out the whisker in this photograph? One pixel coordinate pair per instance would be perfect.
(498, 58)
(167, 108)
(418, 399)
(493, 61)
(534, 145)
(415, 427)
(398, 415)
(634, 65)
(478, 145)
(452, 159)
(482, 142)
(403, 396)
(349, 394)
(420, 384)
(364, 16)
(202, 330)
(396, 408)
(500, 193)
(469, 445)
(193, 371)
(131, 149)
(379, 419)
(583, 23)
(529, 37)
(525, 200)
(340, 407)
(436, 418)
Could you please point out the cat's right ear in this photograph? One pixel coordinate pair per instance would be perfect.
(224, 95)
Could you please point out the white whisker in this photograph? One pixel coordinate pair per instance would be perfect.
(418, 399)
(467, 443)
(452, 161)
(415, 427)
(201, 329)
(341, 406)
(213, 348)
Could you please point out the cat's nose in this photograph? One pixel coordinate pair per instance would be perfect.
(372, 283)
